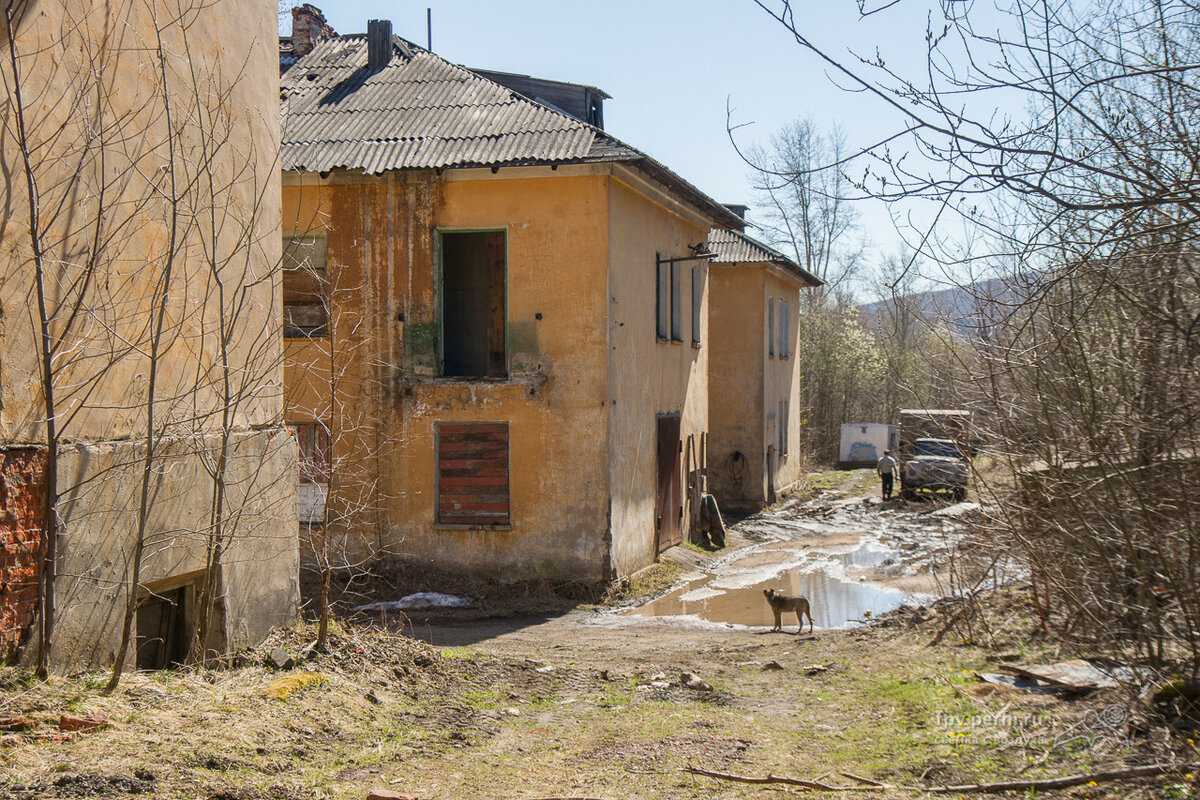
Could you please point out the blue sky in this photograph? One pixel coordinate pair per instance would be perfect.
(670, 66)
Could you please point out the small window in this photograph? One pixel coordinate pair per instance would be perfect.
(785, 312)
(697, 299)
(305, 284)
(785, 411)
(662, 301)
(771, 327)
(676, 307)
(472, 474)
(313, 452)
(474, 272)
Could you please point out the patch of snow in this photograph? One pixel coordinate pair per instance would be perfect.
(418, 600)
(703, 593)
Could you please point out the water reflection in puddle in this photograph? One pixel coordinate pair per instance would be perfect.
(737, 596)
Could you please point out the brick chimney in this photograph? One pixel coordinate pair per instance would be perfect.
(740, 210)
(379, 44)
(308, 28)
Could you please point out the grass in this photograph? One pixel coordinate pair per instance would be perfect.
(889, 707)
(644, 584)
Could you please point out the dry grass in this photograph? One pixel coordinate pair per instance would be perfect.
(565, 709)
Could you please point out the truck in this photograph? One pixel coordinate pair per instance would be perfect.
(935, 450)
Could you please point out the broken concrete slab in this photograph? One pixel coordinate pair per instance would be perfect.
(1075, 675)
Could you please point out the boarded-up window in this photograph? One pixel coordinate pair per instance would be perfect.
(676, 308)
(305, 284)
(697, 299)
(771, 326)
(473, 304)
(472, 473)
(662, 301)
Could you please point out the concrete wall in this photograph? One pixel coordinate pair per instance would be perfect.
(736, 453)
(747, 384)
(259, 580)
(648, 377)
(781, 382)
(102, 365)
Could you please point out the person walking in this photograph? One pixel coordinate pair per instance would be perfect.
(886, 467)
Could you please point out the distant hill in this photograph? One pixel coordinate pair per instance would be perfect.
(972, 310)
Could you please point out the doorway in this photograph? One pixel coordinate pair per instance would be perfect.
(162, 635)
(668, 507)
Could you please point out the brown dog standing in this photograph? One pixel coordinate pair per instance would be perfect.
(781, 602)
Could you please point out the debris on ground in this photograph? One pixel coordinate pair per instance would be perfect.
(388, 794)
(70, 723)
(418, 601)
(278, 659)
(772, 665)
(1075, 675)
(956, 511)
(285, 687)
(690, 680)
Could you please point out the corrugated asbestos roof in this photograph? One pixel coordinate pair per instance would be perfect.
(422, 112)
(734, 247)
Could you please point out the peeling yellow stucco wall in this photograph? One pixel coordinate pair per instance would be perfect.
(586, 374)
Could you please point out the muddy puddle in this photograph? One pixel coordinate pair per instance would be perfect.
(843, 579)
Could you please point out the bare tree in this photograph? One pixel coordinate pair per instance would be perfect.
(1064, 138)
(147, 269)
(807, 212)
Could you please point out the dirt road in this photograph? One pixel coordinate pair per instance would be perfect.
(597, 702)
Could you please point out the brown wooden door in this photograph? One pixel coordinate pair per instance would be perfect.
(668, 508)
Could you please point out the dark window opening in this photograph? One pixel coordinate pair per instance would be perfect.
(676, 307)
(662, 301)
(312, 445)
(472, 474)
(162, 634)
(473, 305)
(697, 299)
(305, 283)
(771, 327)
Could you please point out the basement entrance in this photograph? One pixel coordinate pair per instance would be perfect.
(668, 506)
(162, 635)
(473, 304)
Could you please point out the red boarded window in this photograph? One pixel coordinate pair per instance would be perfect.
(472, 473)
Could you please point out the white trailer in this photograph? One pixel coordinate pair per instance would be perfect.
(863, 443)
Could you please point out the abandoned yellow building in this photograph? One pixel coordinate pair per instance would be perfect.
(141, 378)
(754, 371)
(497, 342)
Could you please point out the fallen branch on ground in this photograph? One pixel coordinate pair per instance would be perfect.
(979, 788)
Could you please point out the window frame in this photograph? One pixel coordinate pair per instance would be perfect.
(785, 320)
(676, 310)
(771, 327)
(320, 300)
(439, 284)
(662, 299)
(438, 521)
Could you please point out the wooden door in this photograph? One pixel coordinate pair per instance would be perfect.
(668, 507)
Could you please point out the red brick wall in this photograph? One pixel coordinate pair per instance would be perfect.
(20, 536)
